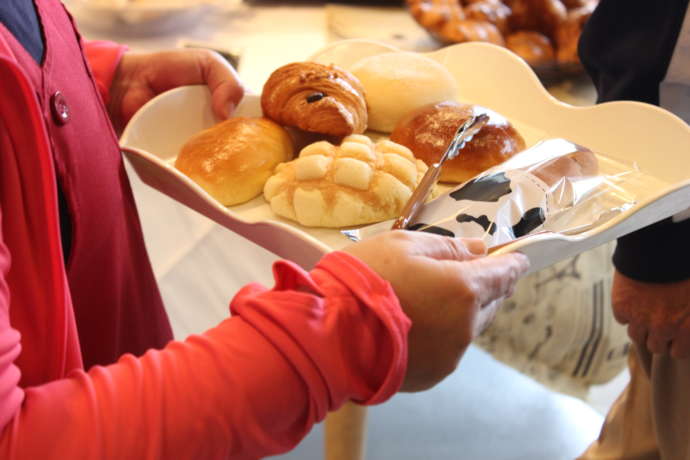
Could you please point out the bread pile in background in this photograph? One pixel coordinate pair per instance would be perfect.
(341, 177)
(543, 32)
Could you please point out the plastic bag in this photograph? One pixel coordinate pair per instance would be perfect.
(555, 186)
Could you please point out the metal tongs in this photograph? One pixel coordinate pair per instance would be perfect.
(421, 193)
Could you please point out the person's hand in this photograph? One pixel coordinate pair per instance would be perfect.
(140, 77)
(449, 291)
(657, 314)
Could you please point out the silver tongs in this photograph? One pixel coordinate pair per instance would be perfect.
(421, 193)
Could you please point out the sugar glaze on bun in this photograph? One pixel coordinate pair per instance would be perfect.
(233, 159)
(428, 131)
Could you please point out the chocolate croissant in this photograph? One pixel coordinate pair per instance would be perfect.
(315, 98)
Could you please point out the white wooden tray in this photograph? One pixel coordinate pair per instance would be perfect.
(654, 139)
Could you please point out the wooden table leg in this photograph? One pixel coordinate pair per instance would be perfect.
(346, 433)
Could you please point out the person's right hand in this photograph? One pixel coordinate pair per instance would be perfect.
(657, 314)
(448, 290)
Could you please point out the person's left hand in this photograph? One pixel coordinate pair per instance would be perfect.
(140, 77)
(657, 314)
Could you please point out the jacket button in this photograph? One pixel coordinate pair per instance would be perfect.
(59, 107)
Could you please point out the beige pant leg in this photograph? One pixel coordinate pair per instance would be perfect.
(670, 380)
(628, 432)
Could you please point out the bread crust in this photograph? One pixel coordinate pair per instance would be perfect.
(315, 98)
(496, 21)
(448, 22)
(532, 46)
(233, 159)
(428, 131)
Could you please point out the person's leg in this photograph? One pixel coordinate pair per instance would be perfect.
(346, 433)
(628, 432)
(670, 380)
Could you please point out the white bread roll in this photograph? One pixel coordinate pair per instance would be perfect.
(397, 83)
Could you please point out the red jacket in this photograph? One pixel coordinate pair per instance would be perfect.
(251, 386)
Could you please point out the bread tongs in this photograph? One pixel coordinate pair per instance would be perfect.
(421, 193)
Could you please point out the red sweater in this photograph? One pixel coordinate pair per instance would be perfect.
(252, 386)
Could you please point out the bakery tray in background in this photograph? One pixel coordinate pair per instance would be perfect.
(145, 18)
(653, 139)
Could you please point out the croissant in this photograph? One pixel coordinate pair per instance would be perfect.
(315, 98)
(447, 21)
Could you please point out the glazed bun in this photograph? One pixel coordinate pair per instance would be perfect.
(428, 131)
(568, 34)
(532, 46)
(397, 83)
(233, 159)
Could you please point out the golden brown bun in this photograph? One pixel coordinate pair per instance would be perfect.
(447, 21)
(572, 4)
(316, 98)
(472, 2)
(568, 34)
(434, 14)
(429, 130)
(541, 15)
(233, 159)
(532, 46)
(456, 21)
(493, 12)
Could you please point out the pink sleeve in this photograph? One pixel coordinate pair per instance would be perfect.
(251, 387)
(103, 58)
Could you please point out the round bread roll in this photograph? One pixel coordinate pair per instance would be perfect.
(568, 34)
(233, 159)
(397, 83)
(428, 131)
(356, 183)
(493, 12)
(532, 46)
